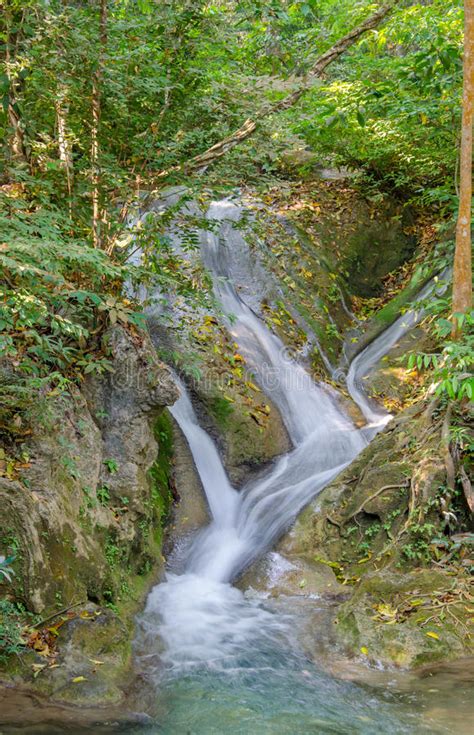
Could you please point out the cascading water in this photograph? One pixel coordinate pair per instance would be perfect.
(201, 621)
(362, 364)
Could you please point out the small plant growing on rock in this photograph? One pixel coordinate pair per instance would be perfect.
(11, 641)
(111, 465)
(6, 572)
(103, 495)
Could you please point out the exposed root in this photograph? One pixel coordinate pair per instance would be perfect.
(375, 495)
(446, 443)
(430, 409)
(467, 488)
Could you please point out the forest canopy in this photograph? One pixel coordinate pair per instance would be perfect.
(104, 100)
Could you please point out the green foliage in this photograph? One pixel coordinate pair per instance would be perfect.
(175, 78)
(452, 367)
(419, 546)
(394, 108)
(11, 641)
(112, 465)
(103, 495)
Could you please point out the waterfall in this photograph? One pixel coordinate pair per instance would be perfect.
(200, 617)
(361, 365)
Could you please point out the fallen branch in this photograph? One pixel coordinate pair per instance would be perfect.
(58, 613)
(250, 125)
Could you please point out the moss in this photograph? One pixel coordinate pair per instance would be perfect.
(131, 569)
(386, 617)
(106, 633)
(388, 313)
(161, 472)
(221, 409)
(375, 249)
(324, 296)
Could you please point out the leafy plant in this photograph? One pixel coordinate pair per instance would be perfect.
(452, 367)
(11, 640)
(6, 570)
(103, 495)
(111, 465)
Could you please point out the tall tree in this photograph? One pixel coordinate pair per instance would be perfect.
(13, 19)
(96, 112)
(462, 279)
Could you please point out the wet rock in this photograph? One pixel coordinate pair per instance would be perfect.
(41, 716)
(358, 523)
(191, 510)
(366, 504)
(275, 575)
(406, 643)
(92, 663)
(390, 383)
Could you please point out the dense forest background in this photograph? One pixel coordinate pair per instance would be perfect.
(105, 101)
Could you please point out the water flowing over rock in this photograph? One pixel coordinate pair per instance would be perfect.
(196, 612)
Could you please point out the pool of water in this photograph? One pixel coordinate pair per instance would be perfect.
(273, 692)
(276, 692)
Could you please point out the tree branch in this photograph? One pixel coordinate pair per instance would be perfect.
(250, 125)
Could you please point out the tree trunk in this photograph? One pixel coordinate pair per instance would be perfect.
(249, 126)
(17, 139)
(96, 109)
(462, 277)
(65, 154)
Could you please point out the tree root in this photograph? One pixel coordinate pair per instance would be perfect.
(445, 443)
(371, 497)
(467, 488)
(431, 408)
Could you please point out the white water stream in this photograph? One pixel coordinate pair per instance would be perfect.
(369, 357)
(199, 616)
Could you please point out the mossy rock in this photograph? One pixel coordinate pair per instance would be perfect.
(246, 424)
(377, 247)
(276, 576)
(90, 663)
(356, 516)
(385, 637)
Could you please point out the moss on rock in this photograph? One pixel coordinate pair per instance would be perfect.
(403, 609)
(84, 518)
(387, 619)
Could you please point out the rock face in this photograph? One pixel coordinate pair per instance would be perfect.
(84, 519)
(395, 632)
(248, 429)
(191, 512)
(402, 610)
(276, 575)
(84, 508)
